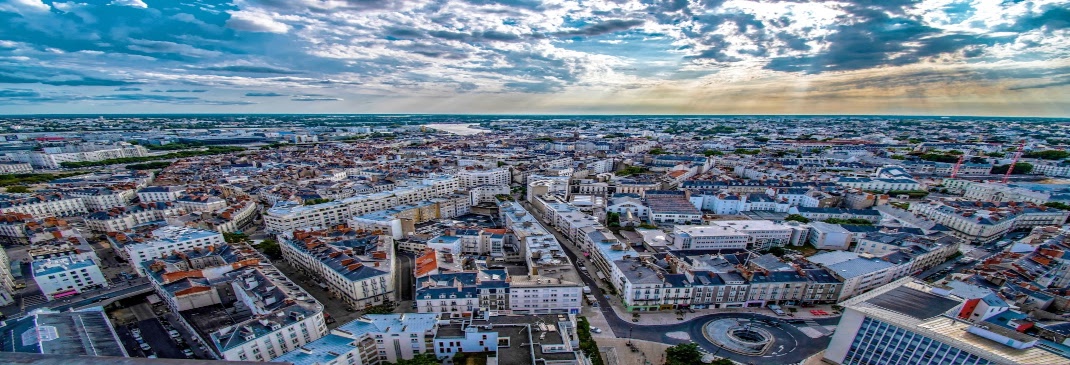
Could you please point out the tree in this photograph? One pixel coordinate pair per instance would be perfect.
(270, 248)
(709, 153)
(18, 189)
(1056, 205)
(797, 218)
(777, 251)
(1020, 168)
(1048, 154)
(234, 237)
(426, 358)
(683, 354)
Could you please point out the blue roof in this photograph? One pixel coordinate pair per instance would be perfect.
(321, 351)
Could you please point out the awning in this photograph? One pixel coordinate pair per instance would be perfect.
(64, 294)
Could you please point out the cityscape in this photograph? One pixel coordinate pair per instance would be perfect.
(535, 182)
(437, 239)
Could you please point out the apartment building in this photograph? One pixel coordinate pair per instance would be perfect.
(534, 294)
(125, 218)
(373, 339)
(986, 221)
(910, 322)
(473, 178)
(153, 194)
(288, 216)
(882, 185)
(356, 266)
(103, 198)
(162, 242)
(763, 234)
(200, 203)
(187, 280)
(42, 205)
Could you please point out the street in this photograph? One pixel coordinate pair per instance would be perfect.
(804, 346)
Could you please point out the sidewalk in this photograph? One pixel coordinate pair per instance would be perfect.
(647, 353)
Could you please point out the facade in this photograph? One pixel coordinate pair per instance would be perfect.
(473, 178)
(882, 185)
(126, 218)
(359, 269)
(153, 194)
(373, 339)
(43, 205)
(103, 198)
(65, 276)
(166, 240)
(908, 322)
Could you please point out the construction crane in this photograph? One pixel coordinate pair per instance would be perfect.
(955, 170)
(1017, 155)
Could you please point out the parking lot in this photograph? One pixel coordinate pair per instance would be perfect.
(151, 337)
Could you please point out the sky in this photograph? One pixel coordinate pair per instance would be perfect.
(900, 57)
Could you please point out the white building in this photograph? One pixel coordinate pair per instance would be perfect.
(709, 238)
(879, 184)
(65, 276)
(534, 294)
(473, 178)
(359, 280)
(43, 205)
(373, 339)
(908, 322)
(126, 218)
(160, 193)
(859, 273)
(166, 240)
(7, 283)
(103, 198)
(764, 234)
(826, 236)
(286, 217)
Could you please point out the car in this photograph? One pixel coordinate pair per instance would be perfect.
(173, 334)
(187, 352)
(136, 331)
(145, 347)
(596, 330)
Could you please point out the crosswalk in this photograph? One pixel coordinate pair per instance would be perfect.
(33, 300)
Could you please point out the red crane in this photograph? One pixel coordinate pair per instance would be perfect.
(1017, 155)
(955, 170)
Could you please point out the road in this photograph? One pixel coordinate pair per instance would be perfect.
(404, 274)
(140, 285)
(658, 333)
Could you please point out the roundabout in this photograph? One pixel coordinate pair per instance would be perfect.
(738, 336)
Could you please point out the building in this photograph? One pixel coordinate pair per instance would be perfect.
(827, 236)
(373, 339)
(763, 234)
(356, 266)
(86, 332)
(163, 241)
(288, 216)
(126, 218)
(462, 294)
(859, 273)
(65, 276)
(517, 340)
(42, 205)
(197, 278)
(473, 178)
(908, 322)
(987, 221)
(103, 198)
(668, 206)
(54, 157)
(533, 294)
(881, 185)
(154, 194)
(708, 238)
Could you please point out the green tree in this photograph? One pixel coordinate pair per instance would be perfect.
(1056, 205)
(234, 237)
(270, 248)
(1020, 168)
(1048, 154)
(797, 218)
(683, 354)
(657, 151)
(426, 358)
(18, 189)
(709, 153)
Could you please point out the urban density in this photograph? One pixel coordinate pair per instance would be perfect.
(374, 240)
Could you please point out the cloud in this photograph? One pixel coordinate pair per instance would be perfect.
(606, 27)
(185, 91)
(252, 69)
(62, 80)
(18, 93)
(314, 98)
(130, 3)
(166, 47)
(255, 22)
(25, 7)
(128, 89)
(263, 94)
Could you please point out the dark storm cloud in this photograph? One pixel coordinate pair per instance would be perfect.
(606, 27)
(252, 69)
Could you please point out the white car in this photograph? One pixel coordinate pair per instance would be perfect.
(596, 330)
(173, 334)
(145, 346)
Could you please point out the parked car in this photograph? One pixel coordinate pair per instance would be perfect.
(187, 352)
(173, 334)
(596, 330)
(145, 347)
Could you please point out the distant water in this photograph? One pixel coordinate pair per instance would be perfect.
(461, 129)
